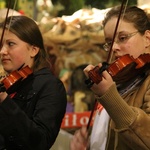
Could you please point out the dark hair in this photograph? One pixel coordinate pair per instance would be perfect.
(77, 84)
(132, 14)
(28, 31)
(77, 79)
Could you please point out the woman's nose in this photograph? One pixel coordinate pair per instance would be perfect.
(3, 50)
(115, 47)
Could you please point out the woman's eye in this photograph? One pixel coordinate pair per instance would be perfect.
(123, 38)
(11, 43)
(109, 43)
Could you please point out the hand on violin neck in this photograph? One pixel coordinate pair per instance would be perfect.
(104, 85)
(101, 80)
(94, 74)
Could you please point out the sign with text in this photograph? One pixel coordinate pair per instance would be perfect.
(75, 120)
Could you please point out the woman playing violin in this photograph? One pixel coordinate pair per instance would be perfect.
(31, 116)
(123, 123)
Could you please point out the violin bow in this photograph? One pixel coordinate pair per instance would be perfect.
(7, 13)
(5, 22)
(2, 36)
(3, 31)
(110, 54)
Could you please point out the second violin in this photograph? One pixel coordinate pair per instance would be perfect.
(120, 69)
(11, 82)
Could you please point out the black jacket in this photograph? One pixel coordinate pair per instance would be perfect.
(32, 118)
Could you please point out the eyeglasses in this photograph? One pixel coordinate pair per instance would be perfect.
(121, 39)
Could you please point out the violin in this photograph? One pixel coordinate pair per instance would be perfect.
(11, 82)
(120, 69)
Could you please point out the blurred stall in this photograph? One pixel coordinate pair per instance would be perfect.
(75, 39)
(3, 13)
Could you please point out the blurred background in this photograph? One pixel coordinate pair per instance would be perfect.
(73, 36)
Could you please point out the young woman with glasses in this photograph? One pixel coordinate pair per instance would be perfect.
(124, 122)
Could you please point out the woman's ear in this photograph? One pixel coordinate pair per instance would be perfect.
(34, 50)
(147, 35)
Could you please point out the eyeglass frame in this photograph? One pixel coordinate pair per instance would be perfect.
(107, 45)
